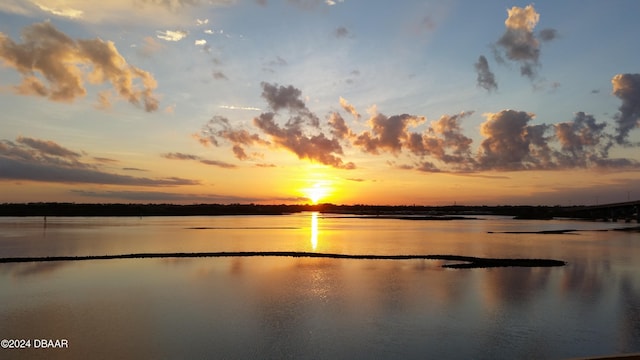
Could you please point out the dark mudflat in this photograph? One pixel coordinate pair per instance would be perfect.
(462, 262)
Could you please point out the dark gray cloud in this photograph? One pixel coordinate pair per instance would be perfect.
(157, 196)
(511, 143)
(48, 147)
(288, 98)
(627, 88)
(14, 169)
(46, 53)
(42, 160)
(219, 75)
(582, 141)
(341, 32)
(486, 79)
(548, 34)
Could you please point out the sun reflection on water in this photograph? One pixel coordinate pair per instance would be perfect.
(314, 230)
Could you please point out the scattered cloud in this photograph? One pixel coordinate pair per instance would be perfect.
(67, 12)
(155, 196)
(219, 75)
(44, 160)
(511, 140)
(349, 108)
(231, 107)
(627, 88)
(48, 54)
(548, 34)
(486, 78)
(152, 12)
(200, 42)
(511, 143)
(341, 32)
(519, 43)
(181, 156)
(172, 35)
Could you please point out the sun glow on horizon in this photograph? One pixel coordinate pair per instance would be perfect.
(319, 191)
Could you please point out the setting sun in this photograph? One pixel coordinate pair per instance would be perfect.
(317, 192)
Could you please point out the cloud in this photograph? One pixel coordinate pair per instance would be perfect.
(200, 42)
(339, 127)
(48, 148)
(172, 35)
(219, 128)
(152, 12)
(48, 54)
(67, 12)
(219, 75)
(43, 160)
(312, 4)
(582, 140)
(300, 134)
(349, 108)
(548, 34)
(232, 107)
(627, 88)
(486, 79)
(317, 147)
(341, 32)
(519, 43)
(158, 196)
(511, 141)
(181, 156)
(288, 98)
(387, 133)
(445, 142)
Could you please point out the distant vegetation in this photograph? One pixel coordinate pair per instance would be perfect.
(75, 209)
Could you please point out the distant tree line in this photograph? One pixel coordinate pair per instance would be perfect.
(119, 209)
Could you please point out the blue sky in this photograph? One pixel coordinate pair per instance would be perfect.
(241, 101)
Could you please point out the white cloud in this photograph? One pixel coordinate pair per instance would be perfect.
(61, 11)
(171, 35)
(201, 42)
(155, 12)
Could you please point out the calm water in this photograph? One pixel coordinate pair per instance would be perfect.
(270, 307)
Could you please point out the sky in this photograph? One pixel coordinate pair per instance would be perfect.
(302, 101)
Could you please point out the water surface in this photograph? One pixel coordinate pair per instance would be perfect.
(284, 307)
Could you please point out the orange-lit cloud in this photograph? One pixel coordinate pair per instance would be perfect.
(349, 108)
(510, 140)
(55, 66)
